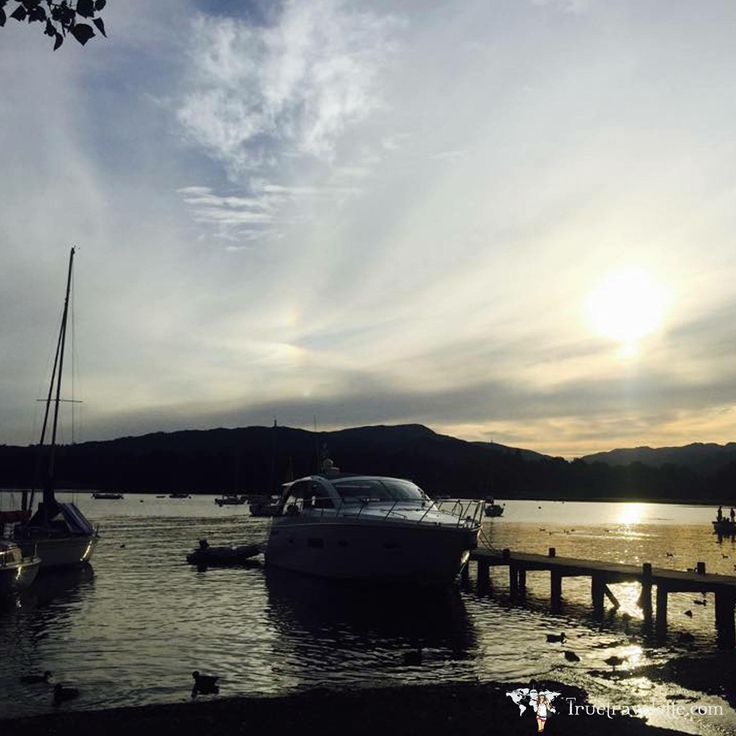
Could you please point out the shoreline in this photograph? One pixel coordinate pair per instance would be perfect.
(455, 709)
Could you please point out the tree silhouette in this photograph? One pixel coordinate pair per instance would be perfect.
(60, 18)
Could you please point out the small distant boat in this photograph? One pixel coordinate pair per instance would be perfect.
(231, 500)
(179, 495)
(264, 506)
(16, 571)
(108, 496)
(724, 528)
(493, 509)
(206, 556)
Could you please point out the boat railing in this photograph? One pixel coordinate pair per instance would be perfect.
(468, 513)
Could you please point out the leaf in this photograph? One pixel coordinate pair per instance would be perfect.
(19, 13)
(59, 41)
(2, 17)
(37, 13)
(82, 32)
(100, 26)
(100, 4)
(86, 8)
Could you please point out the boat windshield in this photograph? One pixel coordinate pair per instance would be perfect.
(378, 489)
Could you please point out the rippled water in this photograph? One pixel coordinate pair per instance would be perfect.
(131, 629)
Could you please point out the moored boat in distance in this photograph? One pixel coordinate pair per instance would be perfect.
(223, 556)
(99, 496)
(493, 509)
(179, 495)
(371, 528)
(231, 500)
(264, 506)
(16, 571)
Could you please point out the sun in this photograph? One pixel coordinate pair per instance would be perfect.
(626, 306)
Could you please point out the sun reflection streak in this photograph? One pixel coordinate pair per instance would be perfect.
(631, 513)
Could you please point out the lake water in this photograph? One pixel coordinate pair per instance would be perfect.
(130, 629)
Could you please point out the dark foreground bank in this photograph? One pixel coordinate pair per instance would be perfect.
(447, 710)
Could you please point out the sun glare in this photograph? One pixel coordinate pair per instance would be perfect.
(626, 306)
(630, 513)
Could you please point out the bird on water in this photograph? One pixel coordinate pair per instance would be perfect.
(204, 684)
(62, 694)
(36, 679)
(556, 637)
(571, 656)
(615, 661)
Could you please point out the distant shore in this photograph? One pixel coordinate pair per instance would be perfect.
(436, 710)
(699, 501)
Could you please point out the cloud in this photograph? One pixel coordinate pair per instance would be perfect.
(575, 7)
(260, 93)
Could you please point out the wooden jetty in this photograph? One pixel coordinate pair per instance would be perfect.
(602, 574)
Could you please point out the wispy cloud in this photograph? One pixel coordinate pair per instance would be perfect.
(260, 93)
(271, 103)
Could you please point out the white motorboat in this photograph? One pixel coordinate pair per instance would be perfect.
(58, 533)
(357, 527)
(16, 571)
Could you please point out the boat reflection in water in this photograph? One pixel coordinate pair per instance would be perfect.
(392, 627)
(60, 588)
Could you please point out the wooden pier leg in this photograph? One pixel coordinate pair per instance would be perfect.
(725, 604)
(611, 597)
(646, 594)
(662, 592)
(483, 582)
(556, 590)
(522, 582)
(596, 589)
(513, 581)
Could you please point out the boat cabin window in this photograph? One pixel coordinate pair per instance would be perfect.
(309, 494)
(378, 489)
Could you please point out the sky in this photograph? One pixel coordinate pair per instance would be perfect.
(509, 220)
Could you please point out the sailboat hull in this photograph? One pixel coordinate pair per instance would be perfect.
(57, 552)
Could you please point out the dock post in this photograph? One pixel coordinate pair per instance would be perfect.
(556, 590)
(513, 581)
(483, 583)
(646, 593)
(552, 551)
(596, 589)
(661, 608)
(700, 568)
(465, 575)
(611, 597)
(725, 604)
(522, 581)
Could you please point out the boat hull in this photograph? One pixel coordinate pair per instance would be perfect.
(364, 550)
(58, 552)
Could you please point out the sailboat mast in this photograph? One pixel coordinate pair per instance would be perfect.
(41, 442)
(48, 492)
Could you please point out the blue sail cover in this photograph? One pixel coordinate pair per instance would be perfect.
(75, 519)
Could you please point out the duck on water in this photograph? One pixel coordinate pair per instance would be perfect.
(362, 527)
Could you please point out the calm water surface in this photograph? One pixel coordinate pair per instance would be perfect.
(130, 629)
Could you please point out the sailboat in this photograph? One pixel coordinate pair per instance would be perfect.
(58, 533)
